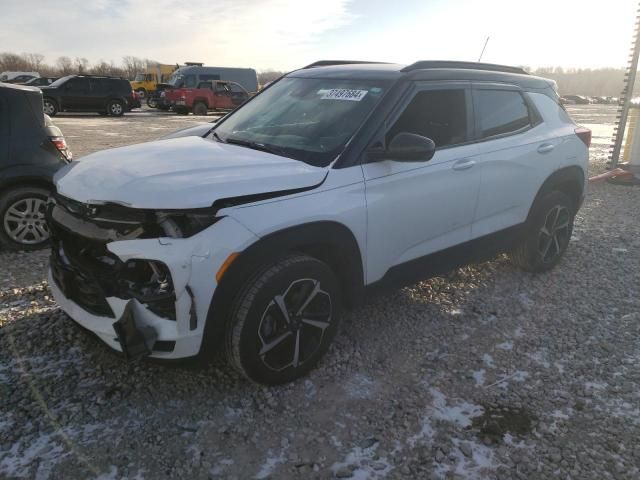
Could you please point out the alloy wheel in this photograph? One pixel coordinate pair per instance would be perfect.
(116, 108)
(48, 108)
(24, 221)
(554, 234)
(293, 325)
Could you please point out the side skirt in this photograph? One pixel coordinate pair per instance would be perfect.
(475, 251)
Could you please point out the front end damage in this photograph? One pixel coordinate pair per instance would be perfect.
(142, 280)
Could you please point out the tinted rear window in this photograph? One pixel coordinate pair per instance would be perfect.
(501, 112)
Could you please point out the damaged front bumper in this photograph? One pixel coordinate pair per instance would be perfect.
(144, 296)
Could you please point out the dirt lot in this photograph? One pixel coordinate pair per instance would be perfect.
(488, 372)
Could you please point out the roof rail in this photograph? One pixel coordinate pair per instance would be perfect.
(327, 63)
(427, 64)
(193, 64)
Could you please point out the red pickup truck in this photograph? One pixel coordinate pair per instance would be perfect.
(211, 95)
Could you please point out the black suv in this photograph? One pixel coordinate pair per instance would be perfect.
(32, 150)
(88, 93)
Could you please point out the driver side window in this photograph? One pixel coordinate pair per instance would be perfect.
(440, 115)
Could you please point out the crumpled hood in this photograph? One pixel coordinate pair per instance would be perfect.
(188, 172)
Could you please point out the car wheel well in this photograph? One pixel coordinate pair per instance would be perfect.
(569, 180)
(25, 183)
(330, 242)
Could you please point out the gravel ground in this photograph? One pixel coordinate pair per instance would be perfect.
(488, 372)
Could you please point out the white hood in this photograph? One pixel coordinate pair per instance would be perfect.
(189, 172)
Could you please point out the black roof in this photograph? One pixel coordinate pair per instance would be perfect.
(422, 70)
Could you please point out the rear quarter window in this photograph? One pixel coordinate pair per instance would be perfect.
(501, 112)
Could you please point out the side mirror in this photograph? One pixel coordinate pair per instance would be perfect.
(410, 147)
(406, 147)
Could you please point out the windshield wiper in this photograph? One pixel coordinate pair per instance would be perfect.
(256, 146)
(217, 137)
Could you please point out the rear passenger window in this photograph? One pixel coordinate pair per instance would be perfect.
(501, 112)
(440, 115)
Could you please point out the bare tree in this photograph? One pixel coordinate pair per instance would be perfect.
(65, 65)
(82, 64)
(133, 65)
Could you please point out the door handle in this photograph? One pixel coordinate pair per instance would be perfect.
(546, 148)
(463, 164)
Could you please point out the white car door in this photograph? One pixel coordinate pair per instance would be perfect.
(514, 147)
(419, 207)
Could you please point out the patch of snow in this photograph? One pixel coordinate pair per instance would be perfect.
(525, 300)
(360, 386)
(366, 467)
(595, 386)
(455, 311)
(426, 433)
(309, 389)
(488, 360)
(270, 464)
(518, 332)
(476, 467)
(44, 449)
(221, 466)
(505, 346)
(459, 414)
(479, 377)
(539, 357)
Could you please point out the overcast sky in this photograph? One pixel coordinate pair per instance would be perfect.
(286, 34)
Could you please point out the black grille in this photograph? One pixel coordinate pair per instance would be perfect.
(77, 284)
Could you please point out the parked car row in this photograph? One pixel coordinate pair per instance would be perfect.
(585, 100)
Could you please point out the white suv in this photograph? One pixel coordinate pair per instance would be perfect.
(339, 177)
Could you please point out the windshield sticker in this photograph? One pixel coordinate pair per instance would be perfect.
(344, 94)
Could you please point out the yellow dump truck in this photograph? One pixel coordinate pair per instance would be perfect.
(147, 82)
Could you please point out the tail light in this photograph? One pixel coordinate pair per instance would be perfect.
(61, 144)
(584, 134)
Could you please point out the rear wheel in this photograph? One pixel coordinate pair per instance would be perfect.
(115, 108)
(22, 218)
(50, 107)
(152, 101)
(200, 108)
(284, 320)
(548, 233)
(142, 92)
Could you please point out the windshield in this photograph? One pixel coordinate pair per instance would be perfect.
(308, 119)
(139, 77)
(176, 80)
(60, 81)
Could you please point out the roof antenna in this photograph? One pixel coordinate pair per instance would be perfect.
(483, 48)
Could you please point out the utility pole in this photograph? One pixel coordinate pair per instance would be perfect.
(625, 98)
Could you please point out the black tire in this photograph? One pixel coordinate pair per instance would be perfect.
(199, 108)
(152, 101)
(50, 107)
(181, 110)
(257, 322)
(115, 108)
(142, 92)
(547, 234)
(22, 214)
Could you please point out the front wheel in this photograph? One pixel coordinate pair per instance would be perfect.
(152, 101)
(115, 108)
(548, 233)
(22, 218)
(284, 320)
